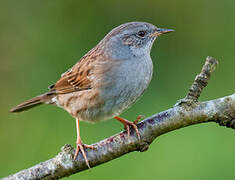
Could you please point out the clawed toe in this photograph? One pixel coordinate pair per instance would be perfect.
(138, 119)
(127, 125)
(135, 128)
(89, 146)
(81, 147)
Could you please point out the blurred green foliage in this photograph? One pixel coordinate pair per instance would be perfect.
(42, 39)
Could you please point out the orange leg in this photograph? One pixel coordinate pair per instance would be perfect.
(81, 146)
(127, 124)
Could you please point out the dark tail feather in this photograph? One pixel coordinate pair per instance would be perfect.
(32, 102)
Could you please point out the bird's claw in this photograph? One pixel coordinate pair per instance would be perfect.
(81, 147)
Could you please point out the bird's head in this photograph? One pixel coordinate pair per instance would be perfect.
(133, 38)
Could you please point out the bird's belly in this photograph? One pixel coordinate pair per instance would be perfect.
(83, 105)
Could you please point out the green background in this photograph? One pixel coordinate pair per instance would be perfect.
(39, 40)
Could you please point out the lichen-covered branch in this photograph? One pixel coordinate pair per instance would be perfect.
(220, 110)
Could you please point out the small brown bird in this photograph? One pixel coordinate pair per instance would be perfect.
(107, 80)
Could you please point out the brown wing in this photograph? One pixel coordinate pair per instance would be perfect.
(76, 79)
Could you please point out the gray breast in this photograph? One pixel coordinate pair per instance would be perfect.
(127, 83)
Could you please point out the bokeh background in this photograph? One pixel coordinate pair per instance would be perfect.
(39, 40)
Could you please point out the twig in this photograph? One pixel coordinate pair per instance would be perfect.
(202, 79)
(221, 110)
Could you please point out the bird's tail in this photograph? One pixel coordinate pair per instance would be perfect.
(44, 98)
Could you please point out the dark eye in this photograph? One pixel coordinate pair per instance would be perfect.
(141, 33)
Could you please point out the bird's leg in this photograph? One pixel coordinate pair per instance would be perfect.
(81, 146)
(127, 124)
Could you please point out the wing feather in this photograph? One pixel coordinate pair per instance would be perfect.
(78, 78)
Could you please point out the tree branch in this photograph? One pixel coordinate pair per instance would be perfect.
(185, 113)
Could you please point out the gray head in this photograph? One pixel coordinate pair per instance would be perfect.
(132, 39)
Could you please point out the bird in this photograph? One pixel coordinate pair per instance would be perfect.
(107, 80)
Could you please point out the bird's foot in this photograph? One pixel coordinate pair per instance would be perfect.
(81, 147)
(127, 125)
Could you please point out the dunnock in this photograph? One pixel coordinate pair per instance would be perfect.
(107, 80)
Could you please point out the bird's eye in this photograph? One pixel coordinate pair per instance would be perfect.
(141, 33)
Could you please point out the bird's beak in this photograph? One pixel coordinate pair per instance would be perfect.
(160, 31)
